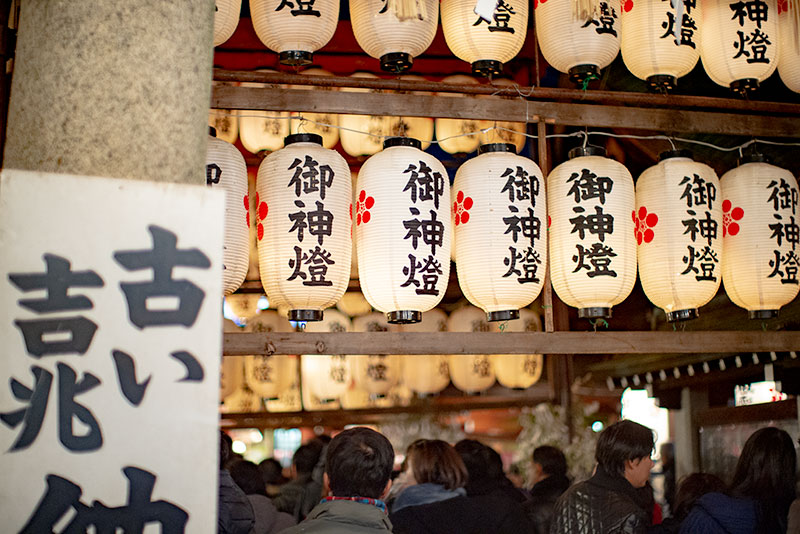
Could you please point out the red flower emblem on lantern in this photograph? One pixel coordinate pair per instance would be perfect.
(262, 214)
(536, 3)
(783, 5)
(461, 207)
(644, 225)
(627, 5)
(247, 209)
(729, 216)
(362, 208)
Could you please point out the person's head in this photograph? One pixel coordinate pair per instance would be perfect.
(484, 466)
(549, 461)
(624, 449)
(271, 471)
(437, 462)
(305, 458)
(225, 448)
(359, 464)
(692, 487)
(766, 467)
(248, 477)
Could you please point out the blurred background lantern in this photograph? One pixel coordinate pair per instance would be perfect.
(243, 305)
(375, 127)
(226, 18)
(231, 372)
(353, 304)
(660, 41)
(262, 130)
(519, 371)
(304, 254)
(224, 121)
(326, 377)
(289, 399)
(471, 373)
(590, 200)
(322, 124)
(450, 132)
(375, 373)
(485, 44)
(678, 221)
(420, 128)
(226, 169)
(503, 131)
(403, 231)
(427, 374)
(500, 230)
(759, 252)
(394, 37)
(268, 376)
(789, 44)
(294, 29)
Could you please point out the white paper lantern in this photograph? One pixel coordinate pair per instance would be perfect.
(295, 28)
(289, 399)
(384, 36)
(519, 371)
(224, 121)
(256, 214)
(485, 45)
(590, 199)
(375, 373)
(268, 376)
(471, 373)
(231, 371)
(243, 400)
(226, 169)
(503, 131)
(403, 231)
(243, 305)
(226, 18)
(500, 230)
(304, 255)
(739, 42)
(789, 45)
(374, 127)
(450, 132)
(420, 128)
(659, 42)
(262, 130)
(427, 374)
(578, 46)
(679, 234)
(323, 124)
(760, 237)
(327, 377)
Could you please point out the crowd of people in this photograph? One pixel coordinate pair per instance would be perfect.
(348, 485)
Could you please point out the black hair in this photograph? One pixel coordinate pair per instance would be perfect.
(624, 440)
(691, 488)
(306, 457)
(271, 471)
(359, 463)
(248, 477)
(551, 459)
(482, 461)
(225, 448)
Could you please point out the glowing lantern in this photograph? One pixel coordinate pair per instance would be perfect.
(739, 43)
(289, 399)
(679, 234)
(376, 127)
(225, 168)
(471, 373)
(427, 374)
(486, 45)
(375, 373)
(243, 400)
(577, 44)
(232, 370)
(590, 199)
(500, 230)
(268, 376)
(327, 377)
(393, 40)
(226, 18)
(503, 131)
(304, 253)
(322, 124)
(243, 305)
(659, 42)
(224, 121)
(354, 255)
(403, 231)
(262, 130)
(789, 45)
(759, 237)
(450, 133)
(254, 222)
(417, 127)
(353, 304)
(520, 371)
(294, 29)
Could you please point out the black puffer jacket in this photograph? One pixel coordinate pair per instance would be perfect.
(601, 504)
(544, 495)
(234, 511)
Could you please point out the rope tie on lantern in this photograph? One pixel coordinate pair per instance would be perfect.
(599, 322)
(408, 9)
(588, 79)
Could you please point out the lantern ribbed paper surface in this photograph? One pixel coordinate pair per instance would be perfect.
(393, 41)
(450, 132)
(375, 373)
(226, 169)
(471, 373)
(231, 372)
(375, 127)
(739, 42)
(304, 252)
(268, 376)
(486, 45)
(324, 376)
(503, 131)
(226, 18)
(590, 199)
(326, 123)
(760, 237)
(789, 45)
(577, 47)
(427, 374)
(262, 130)
(294, 29)
(519, 371)
(420, 128)
(255, 223)
(656, 46)
(403, 231)
(243, 305)
(679, 234)
(500, 230)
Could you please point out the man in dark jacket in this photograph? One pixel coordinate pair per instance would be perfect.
(234, 511)
(608, 502)
(550, 477)
(299, 496)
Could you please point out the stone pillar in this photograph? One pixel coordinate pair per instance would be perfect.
(112, 88)
(687, 440)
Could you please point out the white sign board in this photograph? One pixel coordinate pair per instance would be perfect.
(758, 393)
(110, 321)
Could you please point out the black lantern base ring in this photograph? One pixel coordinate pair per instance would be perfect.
(305, 315)
(661, 83)
(745, 86)
(487, 67)
(763, 314)
(682, 315)
(396, 62)
(594, 313)
(404, 317)
(295, 57)
(505, 315)
(580, 73)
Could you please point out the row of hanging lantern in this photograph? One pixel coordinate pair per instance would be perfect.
(741, 43)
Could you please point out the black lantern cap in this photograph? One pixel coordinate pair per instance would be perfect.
(505, 315)
(594, 313)
(496, 147)
(302, 138)
(404, 317)
(755, 157)
(212, 131)
(744, 87)
(762, 314)
(683, 315)
(487, 67)
(661, 83)
(396, 62)
(579, 151)
(682, 153)
(305, 315)
(295, 57)
(402, 141)
(580, 73)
